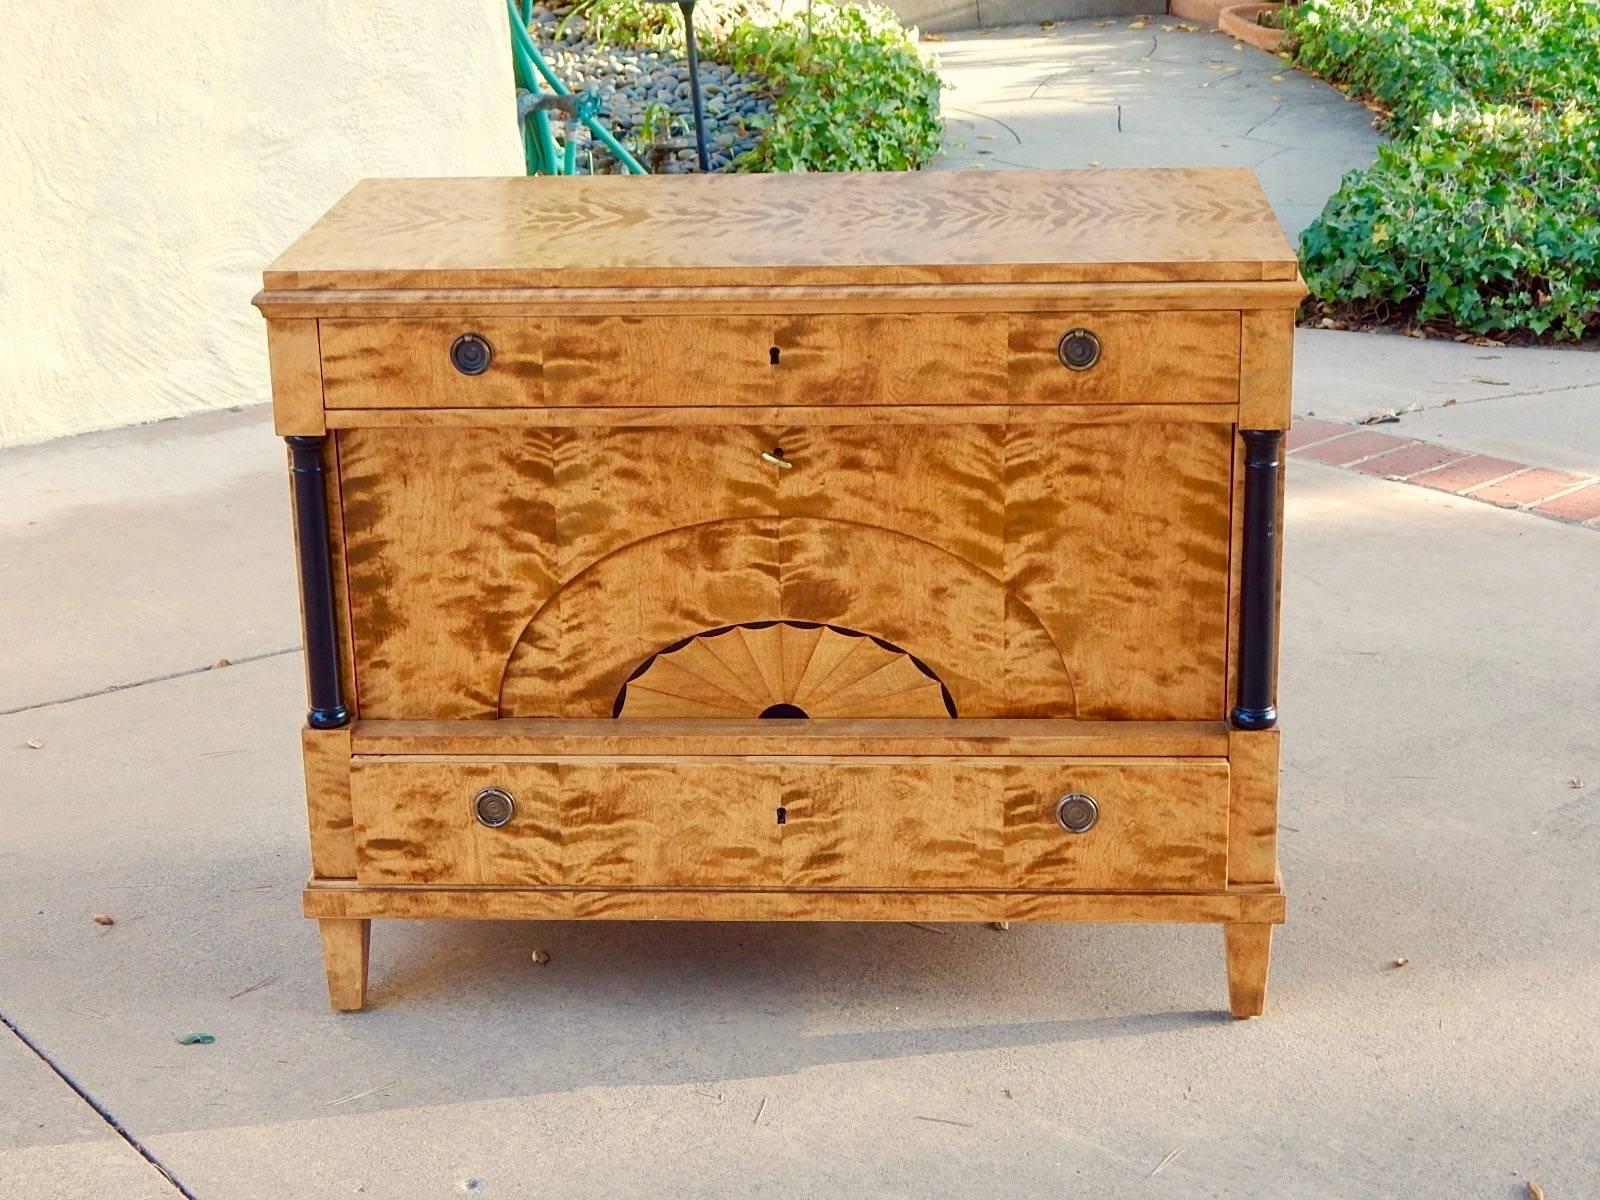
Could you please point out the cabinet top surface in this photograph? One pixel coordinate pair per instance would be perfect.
(943, 227)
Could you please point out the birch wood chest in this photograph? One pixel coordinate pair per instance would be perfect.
(868, 548)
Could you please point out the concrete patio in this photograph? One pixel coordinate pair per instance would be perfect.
(1441, 809)
(1438, 707)
(1148, 92)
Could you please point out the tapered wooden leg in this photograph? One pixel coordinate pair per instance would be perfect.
(344, 954)
(1249, 956)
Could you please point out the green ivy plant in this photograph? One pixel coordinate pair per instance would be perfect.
(629, 22)
(1483, 213)
(659, 25)
(851, 91)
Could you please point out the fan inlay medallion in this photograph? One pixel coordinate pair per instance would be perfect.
(790, 669)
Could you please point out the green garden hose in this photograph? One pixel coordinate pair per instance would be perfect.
(539, 148)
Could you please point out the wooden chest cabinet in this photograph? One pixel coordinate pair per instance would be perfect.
(790, 547)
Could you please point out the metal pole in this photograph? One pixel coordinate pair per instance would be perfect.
(694, 84)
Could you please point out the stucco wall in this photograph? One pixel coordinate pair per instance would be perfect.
(156, 154)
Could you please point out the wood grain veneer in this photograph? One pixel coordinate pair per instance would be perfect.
(805, 448)
(848, 823)
(965, 359)
(968, 227)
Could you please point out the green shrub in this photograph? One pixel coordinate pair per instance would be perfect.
(852, 91)
(1484, 211)
(659, 25)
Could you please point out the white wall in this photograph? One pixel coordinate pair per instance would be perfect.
(156, 154)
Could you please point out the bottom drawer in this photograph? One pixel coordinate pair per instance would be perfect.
(1131, 824)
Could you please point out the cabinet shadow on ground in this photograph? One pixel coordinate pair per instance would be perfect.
(700, 1002)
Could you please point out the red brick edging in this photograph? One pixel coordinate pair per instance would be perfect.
(1499, 481)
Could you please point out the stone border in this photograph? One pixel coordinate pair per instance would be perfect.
(1559, 495)
(1239, 21)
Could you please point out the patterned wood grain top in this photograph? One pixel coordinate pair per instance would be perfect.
(958, 227)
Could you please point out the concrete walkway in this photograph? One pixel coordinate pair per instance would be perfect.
(1154, 91)
(1438, 709)
(1535, 404)
(1148, 92)
(1441, 807)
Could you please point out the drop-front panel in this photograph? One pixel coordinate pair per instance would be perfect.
(740, 564)
(528, 573)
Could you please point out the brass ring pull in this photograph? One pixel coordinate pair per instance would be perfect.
(1078, 349)
(471, 354)
(493, 807)
(776, 458)
(1076, 812)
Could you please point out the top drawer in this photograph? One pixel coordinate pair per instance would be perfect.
(1028, 358)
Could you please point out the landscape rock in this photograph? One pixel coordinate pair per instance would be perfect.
(631, 80)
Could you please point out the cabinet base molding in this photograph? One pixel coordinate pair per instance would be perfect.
(345, 911)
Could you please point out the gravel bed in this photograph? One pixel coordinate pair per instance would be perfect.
(629, 79)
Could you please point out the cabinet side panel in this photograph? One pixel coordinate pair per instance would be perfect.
(296, 364)
(1266, 368)
(327, 767)
(1253, 806)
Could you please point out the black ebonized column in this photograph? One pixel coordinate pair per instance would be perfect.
(1258, 617)
(316, 584)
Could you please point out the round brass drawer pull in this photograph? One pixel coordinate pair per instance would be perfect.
(1076, 812)
(494, 807)
(1078, 349)
(471, 354)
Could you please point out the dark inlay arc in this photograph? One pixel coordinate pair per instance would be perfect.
(785, 712)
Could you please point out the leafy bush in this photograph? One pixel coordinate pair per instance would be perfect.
(631, 22)
(659, 25)
(852, 91)
(1484, 212)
